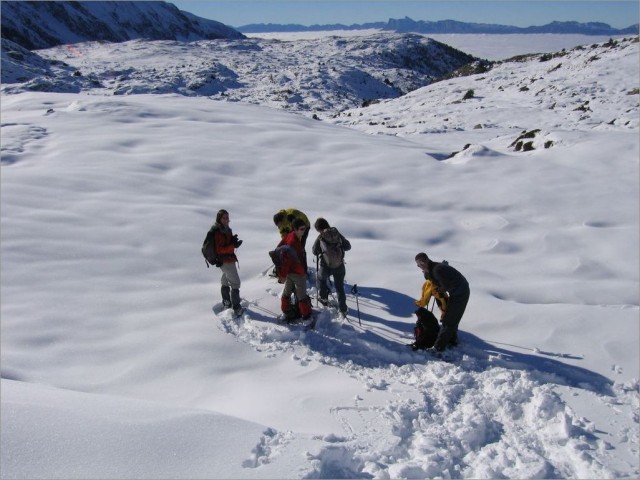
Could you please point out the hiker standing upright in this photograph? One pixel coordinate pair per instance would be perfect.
(225, 244)
(291, 272)
(329, 250)
(284, 219)
(446, 280)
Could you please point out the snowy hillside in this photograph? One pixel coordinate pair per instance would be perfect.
(586, 88)
(36, 25)
(328, 73)
(115, 365)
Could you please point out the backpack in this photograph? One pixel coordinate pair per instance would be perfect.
(331, 246)
(209, 248)
(426, 329)
(280, 254)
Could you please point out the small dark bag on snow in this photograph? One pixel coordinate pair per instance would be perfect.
(426, 329)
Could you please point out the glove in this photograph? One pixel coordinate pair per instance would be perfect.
(236, 242)
(218, 262)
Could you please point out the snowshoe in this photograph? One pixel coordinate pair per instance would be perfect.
(310, 322)
(292, 315)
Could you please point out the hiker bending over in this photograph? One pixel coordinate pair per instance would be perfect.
(225, 244)
(427, 328)
(446, 280)
(329, 250)
(291, 272)
(284, 221)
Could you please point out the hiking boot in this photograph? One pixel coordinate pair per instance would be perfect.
(238, 310)
(292, 315)
(226, 296)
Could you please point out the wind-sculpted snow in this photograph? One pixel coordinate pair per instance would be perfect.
(480, 411)
(118, 363)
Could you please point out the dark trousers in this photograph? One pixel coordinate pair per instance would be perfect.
(338, 274)
(453, 315)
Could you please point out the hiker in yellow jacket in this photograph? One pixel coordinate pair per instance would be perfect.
(428, 291)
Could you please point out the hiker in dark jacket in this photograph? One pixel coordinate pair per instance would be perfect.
(293, 274)
(330, 262)
(449, 281)
(226, 243)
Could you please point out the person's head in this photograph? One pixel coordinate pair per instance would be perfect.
(422, 261)
(321, 224)
(222, 217)
(279, 217)
(299, 227)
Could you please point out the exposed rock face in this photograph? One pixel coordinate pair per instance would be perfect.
(36, 25)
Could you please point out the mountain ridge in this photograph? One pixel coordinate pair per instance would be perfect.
(308, 75)
(37, 25)
(406, 25)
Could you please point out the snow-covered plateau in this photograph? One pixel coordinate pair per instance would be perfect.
(115, 363)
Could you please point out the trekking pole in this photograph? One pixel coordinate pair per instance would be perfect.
(354, 291)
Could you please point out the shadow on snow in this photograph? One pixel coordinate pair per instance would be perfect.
(370, 341)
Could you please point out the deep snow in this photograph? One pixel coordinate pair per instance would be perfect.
(115, 366)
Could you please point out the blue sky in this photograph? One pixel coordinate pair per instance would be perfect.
(236, 13)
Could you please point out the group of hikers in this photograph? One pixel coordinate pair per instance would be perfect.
(446, 285)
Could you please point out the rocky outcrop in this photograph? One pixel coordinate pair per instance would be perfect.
(38, 25)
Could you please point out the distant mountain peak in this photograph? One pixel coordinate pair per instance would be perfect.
(407, 24)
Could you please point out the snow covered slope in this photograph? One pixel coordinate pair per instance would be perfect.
(115, 366)
(587, 88)
(329, 73)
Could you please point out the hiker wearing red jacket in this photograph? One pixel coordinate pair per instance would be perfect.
(292, 273)
(225, 248)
